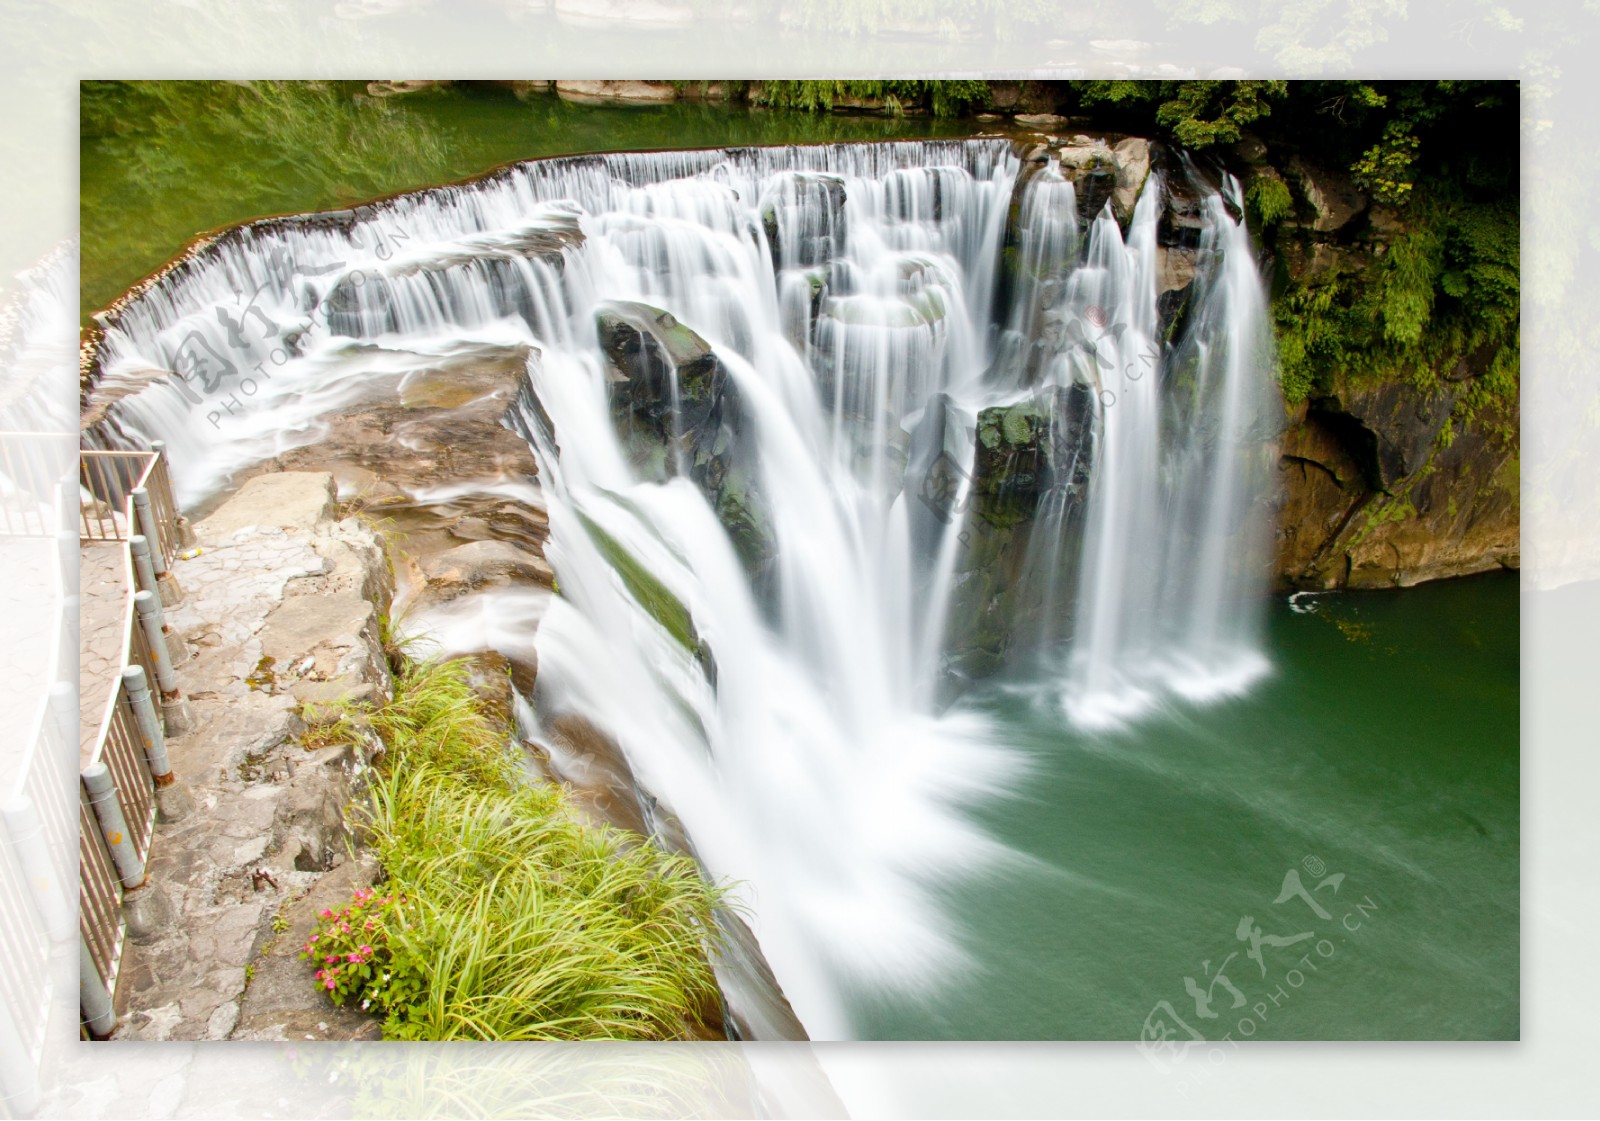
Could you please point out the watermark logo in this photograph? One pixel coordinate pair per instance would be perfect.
(946, 488)
(1106, 344)
(1217, 1011)
(204, 369)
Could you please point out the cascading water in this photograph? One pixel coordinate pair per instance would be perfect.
(758, 594)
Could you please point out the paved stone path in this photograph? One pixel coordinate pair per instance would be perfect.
(102, 591)
(265, 846)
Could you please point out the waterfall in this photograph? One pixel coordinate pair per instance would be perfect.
(1175, 548)
(768, 391)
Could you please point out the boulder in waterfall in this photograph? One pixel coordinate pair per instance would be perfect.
(1032, 463)
(676, 411)
(1092, 167)
(1030, 447)
(1133, 167)
(1175, 268)
(1086, 156)
(802, 213)
(659, 366)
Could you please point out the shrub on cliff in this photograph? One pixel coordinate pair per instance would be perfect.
(502, 915)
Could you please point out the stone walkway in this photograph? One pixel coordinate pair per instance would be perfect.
(279, 609)
(102, 592)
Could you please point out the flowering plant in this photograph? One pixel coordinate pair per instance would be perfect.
(352, 953)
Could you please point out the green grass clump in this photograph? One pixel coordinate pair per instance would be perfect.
(511, 919)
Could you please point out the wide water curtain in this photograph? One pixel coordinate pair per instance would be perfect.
(832, 440)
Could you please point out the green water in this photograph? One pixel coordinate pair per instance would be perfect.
(164, 161)
(1385, 746)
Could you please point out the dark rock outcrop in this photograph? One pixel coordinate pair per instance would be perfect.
(1373, 496)
(1028, 491)
(678, 412)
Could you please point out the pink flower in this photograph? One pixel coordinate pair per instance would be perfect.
(331, 958)
(344, 928)
(366, 949)
(329, 983)
(368, 927)
(327, 914)
(314, 937)
(352, 957)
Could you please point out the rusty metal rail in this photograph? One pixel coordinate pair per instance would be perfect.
(123, 493)
(112, 484)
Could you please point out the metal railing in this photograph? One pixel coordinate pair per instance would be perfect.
(37, 861)
(128, 492)
(99, 896)
(31, 468)
(125, 494)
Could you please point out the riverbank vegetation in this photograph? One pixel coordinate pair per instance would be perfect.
(501, 915)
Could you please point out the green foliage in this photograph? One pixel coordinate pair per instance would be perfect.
(1196, 114)
(1203, 113)
(503, 916)
(1386, 168)
(438, 719)
(941, 98)
(1269, 200)
(1447, 289)
(520, 923)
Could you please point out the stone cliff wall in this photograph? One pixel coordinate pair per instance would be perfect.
(1384, 483)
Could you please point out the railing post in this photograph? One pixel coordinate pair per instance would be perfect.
(177, 649)
(145, 522)
(146, 911)
(94, 999)
(144, 573)
(181, 526)
(113, 825)
(172, 800)
(26, 834)
(174, 711)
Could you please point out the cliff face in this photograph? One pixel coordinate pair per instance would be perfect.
(1383, 484)
(1373, 497)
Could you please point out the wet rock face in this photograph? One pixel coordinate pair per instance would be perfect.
(1379, 487)
(660, 368)
(1371, 496)
(804, 220)
(1390, 429)
(1331, 197)
(678, 412)
(1032, 464)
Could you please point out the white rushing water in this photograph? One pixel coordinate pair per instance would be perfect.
(786, 712)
